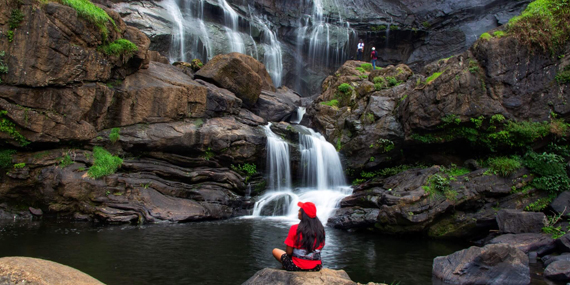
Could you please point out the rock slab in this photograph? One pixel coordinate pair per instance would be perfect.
(493, 264)
(527, 242)
(282, 277)
(27, 270)
(516, 222)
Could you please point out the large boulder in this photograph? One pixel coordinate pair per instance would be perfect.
(558, 270)
(516, 222)
(562, 203)
(282, 277)
(527, 242)
(27, 270)
(493, 264)
(277, 106)
(238, 73)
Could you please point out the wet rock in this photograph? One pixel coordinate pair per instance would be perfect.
(564, 243)
(527, 242)
(516, 221)
(562, 203)
(548, 259)
(558, 270)
(276, 106)
(27, 270)
(282, 277)
(492, 264)
(239, 74)
(220, 101)
(36, 212)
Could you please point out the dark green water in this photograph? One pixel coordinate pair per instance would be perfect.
(221, 252)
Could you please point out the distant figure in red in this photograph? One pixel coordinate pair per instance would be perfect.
(360, 49)
(374, 57)
(304, 242)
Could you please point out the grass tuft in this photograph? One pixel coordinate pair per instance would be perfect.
(104, 163)
(119, 47)
(91, 13)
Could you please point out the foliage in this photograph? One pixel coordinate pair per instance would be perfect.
(65, 161)
(499, 34)
(426, 24)
(473, 66)
(540, 204)
(550, 169)
(248, 169)
(392, 81)
(504, 166)
(114, 135)
(119, 47)
(16, 17)
(451, 119)
(104, 163)
(7, 126)
(6, 157)
(378, 86)
(453, 170)
(391, 171)
(91, 13)
(543, 25)
(378, 28)
(394, 28)
(19, 165)
(345, 88)
(196, 64)
(382, 83)
(486, 36)
(554, 232)
(332, 103)
(10, 35)
(208, 154)
(361, 69)
(358, 181)
(432, 77)
(477, 121)
(564, 76)
(3, 66)
(367, 66)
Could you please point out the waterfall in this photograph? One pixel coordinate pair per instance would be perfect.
(187, 41)
(323, 178)
(273, 56)
(298, 117)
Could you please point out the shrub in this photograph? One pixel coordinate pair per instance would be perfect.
(104, 163)
(15, 18)
(486, 36)
(426, 24)
(550, 169)
(394, 28)
(91, 13)
(7, 126)
(499, 34)
(433, 77)
(19, 165)
(392, 81)
(564, 76)
(65, 161)
(10, 35)
(542, 25)
(378, 86)
(196, 64)
(367, 66)
(119, 47)
(504, 166)
(248, 169)
(114, 135)
(6, 157)
(361, 69)
(332, 103)
(345, 88)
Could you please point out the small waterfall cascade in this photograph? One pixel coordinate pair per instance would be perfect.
(273, 56)
(278, 161)
(188, 42)
(298, 117)
(231, 20)
(323, 180)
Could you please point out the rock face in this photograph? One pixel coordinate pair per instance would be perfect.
(528, 242)
(282, 277)
(240, 74)
(492, 264)
(26, 270)
(558, 270)
(515, 222)
(562, 203)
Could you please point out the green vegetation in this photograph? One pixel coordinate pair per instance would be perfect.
(432, 77)
(208, 154)
(485, 36)
(554, 232)
(113, 83)
(540, 204)
(7, 126)
(426, 25)
(65, 161)
(378, 28)
(550, 170)
(114, 135)
(344, 94)
(505, 166)
(543, 25)
(345, 88)
(248, 169)
(562, 77)
(119, 47)
(384, 83)
(361, 69)
(16, 17)
(3, 66)
(196, 64)
(91, 13)
(473, 66)
(6, 157)
(367, 66)
(19, 165)
(104, 163)
(332, 103)
(499, 34)
(386, 172)
(394, 28)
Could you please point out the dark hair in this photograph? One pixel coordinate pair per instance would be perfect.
(312, 231)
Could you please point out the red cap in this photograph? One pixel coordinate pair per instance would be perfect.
(309, 209)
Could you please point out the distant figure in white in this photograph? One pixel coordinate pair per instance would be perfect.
(360, 49)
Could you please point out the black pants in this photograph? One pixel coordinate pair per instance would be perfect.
(359, 54)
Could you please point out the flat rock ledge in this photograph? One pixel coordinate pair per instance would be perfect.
(27, 270)
(282, 277)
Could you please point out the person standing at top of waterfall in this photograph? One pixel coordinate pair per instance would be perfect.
(360, 49)
(374, 57)
(304, 242)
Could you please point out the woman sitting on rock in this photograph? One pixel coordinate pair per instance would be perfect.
(304, 242)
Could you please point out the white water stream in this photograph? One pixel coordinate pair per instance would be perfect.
(323, 181)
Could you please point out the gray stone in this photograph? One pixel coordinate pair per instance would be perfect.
(516, 221)
(558, 270)
(527, 242)
(562, 203)
(282, 277)
(496, 264)
(27, 270)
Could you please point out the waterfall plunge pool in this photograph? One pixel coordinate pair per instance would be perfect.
(216, 252)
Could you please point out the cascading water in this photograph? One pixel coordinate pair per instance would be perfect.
(298, 117)
(273, 57)
(323, 178)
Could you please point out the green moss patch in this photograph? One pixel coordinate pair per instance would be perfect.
(119, 47)
(485, 36)
(331, 103)
(433, 77)
(104, 163)
(563, 77)
(91, 13)
(367, 66)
